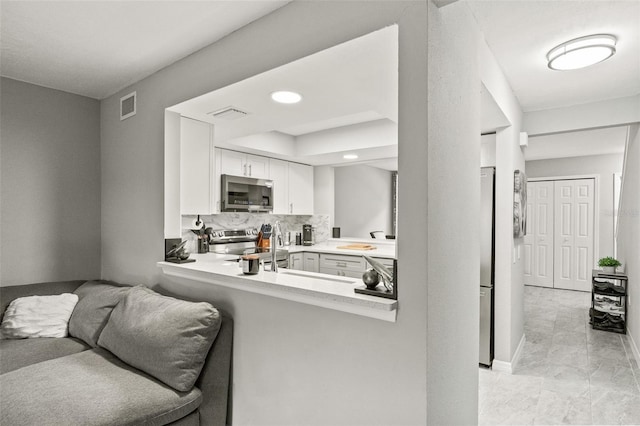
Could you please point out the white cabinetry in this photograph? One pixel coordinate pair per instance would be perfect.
(242, 164)
(342, 265)
(279, 174)
(197, 159)
(300, 189)
(292, 182)
(296, 261)
(305, 261)
(311, 262)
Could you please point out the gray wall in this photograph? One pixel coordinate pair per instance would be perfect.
(629, 234)
(603, 165)
(298, 364)
(50, 179)
(362, 200)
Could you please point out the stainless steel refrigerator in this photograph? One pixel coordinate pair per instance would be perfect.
(487, 248)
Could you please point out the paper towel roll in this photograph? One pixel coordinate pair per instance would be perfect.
(195, 224)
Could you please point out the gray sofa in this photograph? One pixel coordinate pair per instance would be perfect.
(105, 374)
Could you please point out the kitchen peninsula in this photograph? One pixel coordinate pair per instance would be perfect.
(313, 288)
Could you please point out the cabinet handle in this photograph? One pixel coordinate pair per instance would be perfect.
(217, 206)
(250, 174)
(341, 264)
(290, 207)
(245, 170)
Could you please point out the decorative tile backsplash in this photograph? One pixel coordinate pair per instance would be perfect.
(288, 223)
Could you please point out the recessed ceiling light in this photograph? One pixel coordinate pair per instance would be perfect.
(582, 52)
(350, 156)
(286, 97)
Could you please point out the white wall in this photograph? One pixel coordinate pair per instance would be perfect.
(604, 166)
(50, 212)
(629, 234)
(363, 200)
(295, 364)
(488, 150)
(610, 112)
(509, 275)
(323, 192)
(452, 234)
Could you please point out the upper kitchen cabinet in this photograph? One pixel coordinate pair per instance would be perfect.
(197, 160)
(279, 174)
(242, 164)
(300, 189)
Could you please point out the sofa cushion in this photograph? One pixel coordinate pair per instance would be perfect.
(38, 316)
(162, 336)
(96, 301)
(89, 388)
(18, 353)
(9, 293)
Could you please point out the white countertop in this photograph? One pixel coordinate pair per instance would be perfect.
(384, 248)
(332, 292)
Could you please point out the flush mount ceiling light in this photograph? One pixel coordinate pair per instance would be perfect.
(350, 156)
(286, 97)
(582, 52)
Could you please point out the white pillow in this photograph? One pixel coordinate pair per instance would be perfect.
(38, 316)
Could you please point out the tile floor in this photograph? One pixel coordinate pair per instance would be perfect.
(567, 373)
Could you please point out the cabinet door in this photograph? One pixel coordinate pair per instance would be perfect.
(217, 180)
(196, 195)
(233, 163)
(257, 166)
(311, 262)
(296, 261)
(300, 189)
(279, 174)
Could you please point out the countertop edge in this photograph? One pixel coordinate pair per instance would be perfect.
(368, 306)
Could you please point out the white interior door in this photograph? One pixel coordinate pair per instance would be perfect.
(573, 242)
(538, 241)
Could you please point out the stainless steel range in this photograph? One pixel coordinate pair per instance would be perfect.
(233, 241)
(243, 241)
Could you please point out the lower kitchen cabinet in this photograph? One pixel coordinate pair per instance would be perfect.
(305, 261)
(296, 261)
(311, 262)
(351, 266)
(342, 265)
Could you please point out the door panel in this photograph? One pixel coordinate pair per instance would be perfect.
(529, 238)
(539, 239)
(573, 248)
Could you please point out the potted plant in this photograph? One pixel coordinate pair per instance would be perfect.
(609, 264)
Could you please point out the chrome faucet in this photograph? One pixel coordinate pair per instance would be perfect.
(276, 235)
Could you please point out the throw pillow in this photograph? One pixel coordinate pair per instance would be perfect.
(38, 316)
(166, 338)
(96, 301)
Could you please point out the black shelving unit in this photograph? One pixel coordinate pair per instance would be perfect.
(608, 302)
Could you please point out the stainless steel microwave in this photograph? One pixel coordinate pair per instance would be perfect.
(245, 194)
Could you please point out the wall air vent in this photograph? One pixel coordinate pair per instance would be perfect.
(128, 106)
(228, 113)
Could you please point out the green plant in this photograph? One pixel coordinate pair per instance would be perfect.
(608, 261)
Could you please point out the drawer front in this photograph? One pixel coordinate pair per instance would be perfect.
(344, 263)
(341, 272)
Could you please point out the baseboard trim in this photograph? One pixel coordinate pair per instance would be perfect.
(508, 367)
(634, 347)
